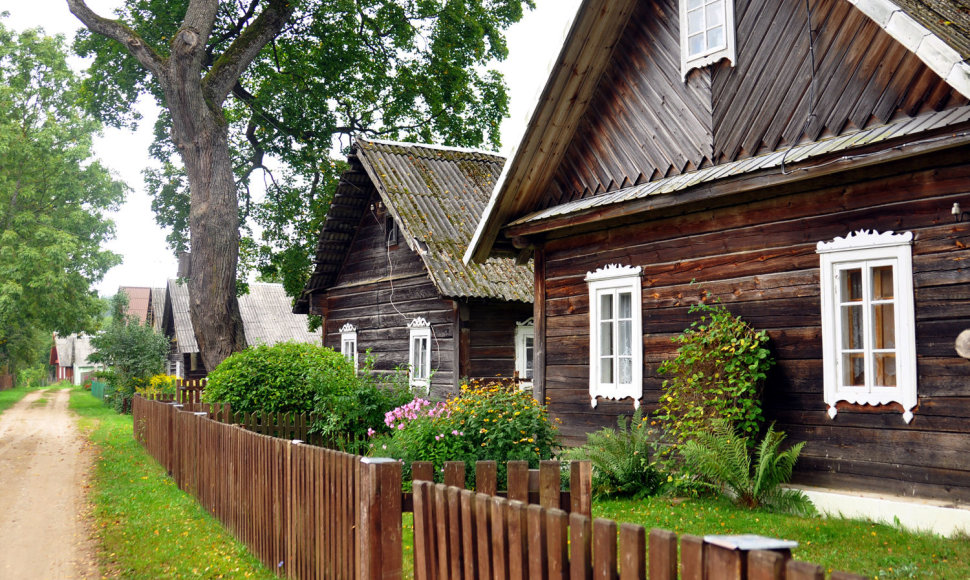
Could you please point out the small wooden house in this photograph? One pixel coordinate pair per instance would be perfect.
(69, 358)
(389, 276)
(266, 317)
(808, 164)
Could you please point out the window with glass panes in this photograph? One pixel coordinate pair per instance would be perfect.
(348, 343)
(420, 352)
(525, 351)
(616, 354)
(868, 323)
(706, 32)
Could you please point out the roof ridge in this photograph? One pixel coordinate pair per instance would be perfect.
(431, 146)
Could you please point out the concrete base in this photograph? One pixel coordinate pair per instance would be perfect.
(945, 519)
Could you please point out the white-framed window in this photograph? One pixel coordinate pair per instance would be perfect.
(348, 343)
(706, 33)
(868, 320)
(615, 335)
(419, 357)
(525, 339)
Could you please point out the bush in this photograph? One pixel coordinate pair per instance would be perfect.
(621, 459)
(723, 459)
(717, 375)
(160, 384)
(288, 377)
(494, 421)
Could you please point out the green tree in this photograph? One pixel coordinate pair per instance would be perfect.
(134, 352)
(53, 199)
(242, 83)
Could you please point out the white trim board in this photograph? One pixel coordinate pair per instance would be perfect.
(938, 517)
(921, 41)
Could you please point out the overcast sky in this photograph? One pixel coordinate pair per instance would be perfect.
(533, 45)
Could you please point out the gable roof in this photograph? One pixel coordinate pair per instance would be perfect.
(265, 311)
(158, 306)
(585, 58)
(139, 301)
(435, 195)
(64, 347)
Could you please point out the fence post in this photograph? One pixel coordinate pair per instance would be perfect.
(380, 519)
(581, 487)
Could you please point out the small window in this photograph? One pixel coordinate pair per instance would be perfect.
(393, 233)
(868, 323)
(348, 343)
(615, 348)
(525, 333)
(420, 354)
(706, 33)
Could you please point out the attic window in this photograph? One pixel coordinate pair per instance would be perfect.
(706, 33)
(393, 233)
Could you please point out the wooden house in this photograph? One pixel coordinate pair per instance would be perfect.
(266, 317)
(389, 276)
(69, 359)
(808, 164)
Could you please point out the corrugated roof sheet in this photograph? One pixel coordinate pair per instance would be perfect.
(437, 195)
(65, 350)
(139, 300)
(909, 126)
(266, 314)
(158, 307)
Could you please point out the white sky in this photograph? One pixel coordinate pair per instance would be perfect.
(533, 45)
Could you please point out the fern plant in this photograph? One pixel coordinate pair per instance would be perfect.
(723, 459)
(621, 459)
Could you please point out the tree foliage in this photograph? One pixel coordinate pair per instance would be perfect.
(53, 199)
(134, 352)
(329, 70)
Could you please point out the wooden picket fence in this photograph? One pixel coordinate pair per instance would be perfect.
(189, 391)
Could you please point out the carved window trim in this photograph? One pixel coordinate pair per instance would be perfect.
(419, 354)
(348, 343)
(692, 9)
(864, 251)
(614, 281)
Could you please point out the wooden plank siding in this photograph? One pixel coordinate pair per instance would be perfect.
(646, 123)
(756, 254)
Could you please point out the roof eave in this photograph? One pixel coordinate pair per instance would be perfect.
(582, 60)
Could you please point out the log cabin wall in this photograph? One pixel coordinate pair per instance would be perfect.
(757, 256)
(488, 337)
(646, 123)
(380, 289)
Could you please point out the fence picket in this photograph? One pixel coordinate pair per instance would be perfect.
(663, 555)
(469, 544)
(500, 525)
(691, 557)
(538, 555)
(795, 570)
(557, 538)
(604, 549)
(633, 549)
(518, 530)
(483, 530)
(766, 565)
(580, 544)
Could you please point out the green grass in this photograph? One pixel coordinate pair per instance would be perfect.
(10, 397)
(147, 527)
(876, 550)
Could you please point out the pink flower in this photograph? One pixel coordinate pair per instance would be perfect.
(400, 425)
(371, 432)
(455, 432)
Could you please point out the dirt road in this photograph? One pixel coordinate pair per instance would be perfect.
(43, 533)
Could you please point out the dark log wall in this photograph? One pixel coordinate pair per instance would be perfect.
(379, 290)
(757, 256)
(489, 337)
(646, 123)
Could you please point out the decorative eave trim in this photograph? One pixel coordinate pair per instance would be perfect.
(864, 239)
(419, 322)
(530, 321)
(348, 328)
(940, 57)
(612, 271)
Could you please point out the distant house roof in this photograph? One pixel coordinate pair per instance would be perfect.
(64, 345)
(436, 195)
(936, 31)
(82, 350)
(139, 301)
(158, 306)
(265, 310)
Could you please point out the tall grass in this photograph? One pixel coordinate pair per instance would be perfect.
(146, 527)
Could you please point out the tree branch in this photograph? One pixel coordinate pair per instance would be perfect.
(116, 30)
(228, 67)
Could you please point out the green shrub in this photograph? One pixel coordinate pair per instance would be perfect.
(494, 421)
(718, 373)
(288, 377)
(723, 459)
(621, 459)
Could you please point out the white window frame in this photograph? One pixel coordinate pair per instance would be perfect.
(711, 55)
(419, 371)
(523, 332)
(615, 279)
(348, 343)
(866, 250)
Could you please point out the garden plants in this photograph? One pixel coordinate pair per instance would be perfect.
(724, 461)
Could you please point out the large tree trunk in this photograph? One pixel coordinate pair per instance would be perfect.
(200, 133)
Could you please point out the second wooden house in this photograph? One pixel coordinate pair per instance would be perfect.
(389, 276)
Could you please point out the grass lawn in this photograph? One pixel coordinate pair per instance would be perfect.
(876, 550)
(10, 397)
(146, 526)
